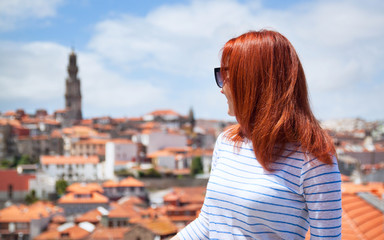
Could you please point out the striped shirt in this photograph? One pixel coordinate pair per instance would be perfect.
(244, 201)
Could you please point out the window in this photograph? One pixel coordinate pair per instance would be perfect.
(10, 191)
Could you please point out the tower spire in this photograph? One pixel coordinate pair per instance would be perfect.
(73, 91)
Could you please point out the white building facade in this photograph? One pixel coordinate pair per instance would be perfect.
(72, 168)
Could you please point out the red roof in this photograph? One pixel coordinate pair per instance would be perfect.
(45, 160)
(84, 188)
(104, 233)
(19, 182)
(23, 213)
(94, 197)
(164, 112)
(131, 182)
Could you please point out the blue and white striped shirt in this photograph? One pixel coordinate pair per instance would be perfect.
(244, 201)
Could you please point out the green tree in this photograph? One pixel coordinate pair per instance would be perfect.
(197, 166)
(60, 186)
(5, 163)
(31, 197)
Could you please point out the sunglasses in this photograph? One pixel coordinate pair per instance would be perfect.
(219, 79)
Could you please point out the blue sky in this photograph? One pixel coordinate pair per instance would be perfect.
(138, 56)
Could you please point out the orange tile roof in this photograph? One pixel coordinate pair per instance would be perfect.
(131, 182)
(110, 183)
(56, 134)
(135, 119)
(92, 216)
(74, 233)
(119, 211)
(104, 233)
(58, 219)
(23, 213)
(80, 131)
(12, 122)
(121, 141)
(164, 112)
(71, 198)
(45, 160)
(84, 188)
(188, 195)
(366, 219)
(161, 153)
(10, 113)
(161, 226)
(92, 141)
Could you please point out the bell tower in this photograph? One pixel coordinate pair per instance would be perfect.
(73, 92)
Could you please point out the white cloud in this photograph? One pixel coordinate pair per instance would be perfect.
(14, 12)
(339, 42)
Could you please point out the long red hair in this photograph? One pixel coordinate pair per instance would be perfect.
(270, 97)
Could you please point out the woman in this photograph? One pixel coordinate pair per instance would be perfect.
(274, 174)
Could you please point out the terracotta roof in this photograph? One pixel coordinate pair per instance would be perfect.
(104, 233)
(110, 183)
(86, 122)
(19, 182)
(45, 160)
(59, 219)
(56, 134)
(362, 216)
(161, 226)
(23, 213)
(123, 211)
(12, 122)
(164, 112)
(94, 197)
(135, 119)
(84, 188)
(72, 233)
(80, 131)
(10, 113)
(121, 141)
(92, 216)
(360, 219)
(161, 153)
(187, 195)
(131, 182)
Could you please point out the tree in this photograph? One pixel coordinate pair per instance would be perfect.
(31, 197)
(197, 166)
(60, 186)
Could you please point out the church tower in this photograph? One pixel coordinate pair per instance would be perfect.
(73, 92)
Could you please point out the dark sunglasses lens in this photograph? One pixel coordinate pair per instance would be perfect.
(219, 79)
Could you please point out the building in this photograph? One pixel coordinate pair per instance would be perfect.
(81, 198)
(72, 93)
(128, 187)
(14, 186)
(72, 168)
(155, 140)
(68, 231)
(89, 147)
(119, 154)
(26, 222)
(160, 228)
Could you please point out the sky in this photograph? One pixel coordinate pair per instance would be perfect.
(138, 56)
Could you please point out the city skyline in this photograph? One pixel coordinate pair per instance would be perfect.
(134, 57)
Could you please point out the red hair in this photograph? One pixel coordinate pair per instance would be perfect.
(270, 97)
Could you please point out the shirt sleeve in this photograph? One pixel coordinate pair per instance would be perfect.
(198, 229)
(321, 188)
